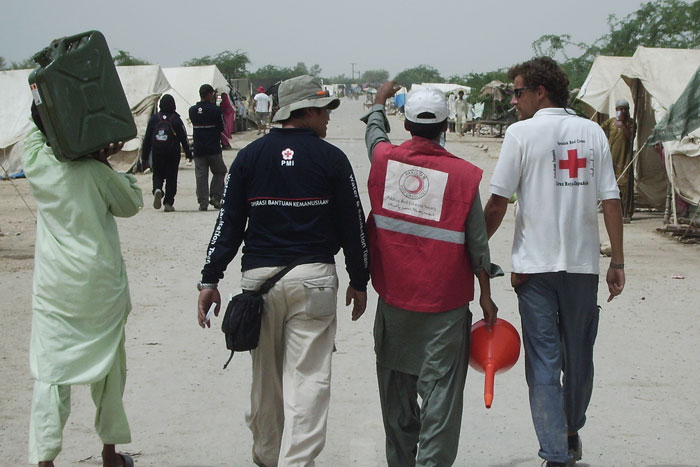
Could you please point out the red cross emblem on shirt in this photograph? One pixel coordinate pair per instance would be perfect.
(573, 163)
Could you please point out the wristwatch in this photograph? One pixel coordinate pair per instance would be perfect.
(207, 285)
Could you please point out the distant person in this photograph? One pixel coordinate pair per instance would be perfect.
(427, 237)
(241, 113)
(452, 115)
(291, 195)
(229, 115)
(559, 165)
(207, 124)
(165, 134)
(263, 107)
(80, 297)
(461, 112)
(620, 131)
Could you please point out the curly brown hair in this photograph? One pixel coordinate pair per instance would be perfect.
(545, 72)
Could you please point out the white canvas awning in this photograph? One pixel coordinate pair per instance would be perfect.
(656, 78)
(15, 114)
(604, 85)
(185, 82)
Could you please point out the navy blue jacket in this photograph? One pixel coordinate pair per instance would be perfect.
(207, 124)
(298, 196)
(178, 127)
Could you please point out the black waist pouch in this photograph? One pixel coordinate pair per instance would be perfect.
(241, 324)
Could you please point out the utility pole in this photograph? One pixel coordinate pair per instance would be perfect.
(353, 71)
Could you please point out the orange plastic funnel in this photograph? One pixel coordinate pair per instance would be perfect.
(493, 351)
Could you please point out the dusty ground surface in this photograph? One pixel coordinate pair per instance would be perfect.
(184, 410)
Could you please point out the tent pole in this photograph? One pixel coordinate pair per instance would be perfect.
(667, 210)
(7, 176)
(672, 185)
(629, 202)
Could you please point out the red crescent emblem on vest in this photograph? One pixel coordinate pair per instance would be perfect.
(414, 183)
(420, 184)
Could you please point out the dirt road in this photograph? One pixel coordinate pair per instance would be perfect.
(184, 410)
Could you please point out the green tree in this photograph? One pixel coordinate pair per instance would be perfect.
(273, 72)
(21, 65)
(124, 58)
(315, 70)
(419, 74)
(661, 23)
(230, 64)
(560, 48)
(3, 63)
(338, 79)
(301, 69)
(374, 76)
(283, 72)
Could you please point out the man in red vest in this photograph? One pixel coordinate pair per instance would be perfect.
(427, 242)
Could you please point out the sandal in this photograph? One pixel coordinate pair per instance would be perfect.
(128, 461)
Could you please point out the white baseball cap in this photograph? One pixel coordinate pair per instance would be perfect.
(423, 100)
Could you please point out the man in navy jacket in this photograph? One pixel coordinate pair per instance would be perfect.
(291, 195)
(207, 124)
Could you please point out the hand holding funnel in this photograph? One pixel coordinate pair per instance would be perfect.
(493, 351)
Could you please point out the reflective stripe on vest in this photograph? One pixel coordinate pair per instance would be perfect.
(419, 230)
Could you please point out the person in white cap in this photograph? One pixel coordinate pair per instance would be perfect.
(290, 196)
(620, 131)
(427, 242)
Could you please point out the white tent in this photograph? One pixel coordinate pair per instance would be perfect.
(656, 78)
(604, 85)
(15, 103)
(143, 86)
(444, 87)
(185, 82)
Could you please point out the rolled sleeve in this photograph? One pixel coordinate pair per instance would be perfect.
(377, 129)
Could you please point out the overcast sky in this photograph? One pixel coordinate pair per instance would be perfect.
(454, 36)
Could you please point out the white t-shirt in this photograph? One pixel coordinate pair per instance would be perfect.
(559, 165)
(262, 102)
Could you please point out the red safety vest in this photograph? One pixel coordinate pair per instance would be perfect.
(420, 196)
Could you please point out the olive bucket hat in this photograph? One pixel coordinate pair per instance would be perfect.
(302, 92)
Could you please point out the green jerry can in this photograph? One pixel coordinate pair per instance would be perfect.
(80, 99)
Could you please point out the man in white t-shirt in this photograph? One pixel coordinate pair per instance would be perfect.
(263, 107)
(559, 165)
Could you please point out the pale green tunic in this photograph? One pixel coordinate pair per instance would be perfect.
(80, 295)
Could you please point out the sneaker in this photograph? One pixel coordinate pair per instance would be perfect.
(168, 208)
(575, 448)
(157, 198)
(553, 464)
(203, 207)
(216, 203)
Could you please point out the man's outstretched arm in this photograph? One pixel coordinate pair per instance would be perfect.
(377, 124)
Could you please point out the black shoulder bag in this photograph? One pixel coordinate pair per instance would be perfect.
(243, 316)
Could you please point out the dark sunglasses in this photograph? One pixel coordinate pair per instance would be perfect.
(517, 92)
